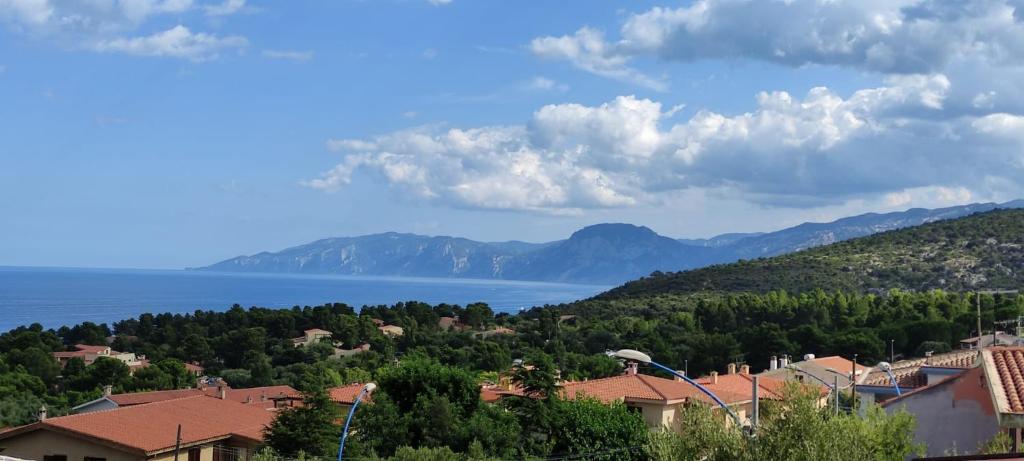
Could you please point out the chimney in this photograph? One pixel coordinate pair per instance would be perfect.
(744, 369)
(631, 369)
(108, 390)
(730, 369)
(784, 361)
(682, 372)
(714, 377)
(222, 392)
(42, 413)
(773, 364)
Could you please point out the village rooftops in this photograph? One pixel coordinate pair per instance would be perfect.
(150, 429)
(346, 395)
(914, 372)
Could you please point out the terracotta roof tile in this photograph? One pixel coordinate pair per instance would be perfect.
(151, 428)
(908, 372)
(742, 384)
(346, 394)
(254, 395)
(642, 387)
(1005, 368)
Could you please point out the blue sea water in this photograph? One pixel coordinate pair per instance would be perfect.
(66, 296)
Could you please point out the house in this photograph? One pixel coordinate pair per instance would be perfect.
(658, 400)
(268, 397)
(911, 374)
(345, 396)
(211, 429)
(741, 384)
(311, 336)
(393, 331)
(955, 414)
(194, 369)
(1000, 338)
(89, 355)
(826, 369)
(338, 352)
(962, 411)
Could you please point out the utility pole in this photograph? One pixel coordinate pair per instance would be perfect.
(835, 391)
(892, 351)
(177, 443)
(754, 406)
(853, 385)
(978, 298)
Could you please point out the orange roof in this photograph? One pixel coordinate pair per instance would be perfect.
(346, 394)
(493, 393)
(908, 372)
(741, 384)
(139, 398)
(93, 349)
(254, 395)
(316, 330)
(194, 368)
(641, 387)
(1004, 367)
(839, 364)
(150, 429)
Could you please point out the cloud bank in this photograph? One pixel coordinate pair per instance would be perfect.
(806, 151)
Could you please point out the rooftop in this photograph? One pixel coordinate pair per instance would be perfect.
(346, 394)
(640, 387)
(1004, 367)
(908, 372)
(151, 428)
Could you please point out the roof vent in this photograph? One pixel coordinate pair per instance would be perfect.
(808, 357)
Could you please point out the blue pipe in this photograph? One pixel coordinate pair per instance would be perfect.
(351, 412)
(739, 425)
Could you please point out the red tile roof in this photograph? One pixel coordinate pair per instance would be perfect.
(93, 349)
(151, 428)
(1004, 367)
(741, 384)
(256, 395)
(346, 394)
(838, 363)
(908, 372)
(641, 387)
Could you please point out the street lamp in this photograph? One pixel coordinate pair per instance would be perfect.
(887, 368)
(637, 356)
(367, 389)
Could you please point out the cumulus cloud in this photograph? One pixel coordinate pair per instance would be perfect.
(177, 42)
(886, 36)
(806, 151)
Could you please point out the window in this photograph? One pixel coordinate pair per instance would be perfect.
(193, 453)
(55, 458)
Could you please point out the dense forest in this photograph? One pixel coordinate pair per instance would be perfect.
(985, 250)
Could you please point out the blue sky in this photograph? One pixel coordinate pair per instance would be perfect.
(173, 133)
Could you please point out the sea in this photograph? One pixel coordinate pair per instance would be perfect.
(54, 297)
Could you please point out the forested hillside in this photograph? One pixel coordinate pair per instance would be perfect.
(982, 251)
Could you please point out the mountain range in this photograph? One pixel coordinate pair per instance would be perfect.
(598, 254)
(980, 251)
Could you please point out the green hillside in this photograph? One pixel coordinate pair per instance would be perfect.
(981, 251)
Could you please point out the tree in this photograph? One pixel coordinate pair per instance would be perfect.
(312, 428)
(796, 430)
(595, 430)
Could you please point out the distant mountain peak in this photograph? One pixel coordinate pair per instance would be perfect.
(614, 231)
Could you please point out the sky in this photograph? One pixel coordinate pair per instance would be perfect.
(176, 133)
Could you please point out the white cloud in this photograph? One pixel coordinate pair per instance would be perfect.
(958, 38)
(877, 143)
(588, 50)
(290, 55)
(228, 7)
(177, 42)
(440, 2)
(546, 84)
(108, 25)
